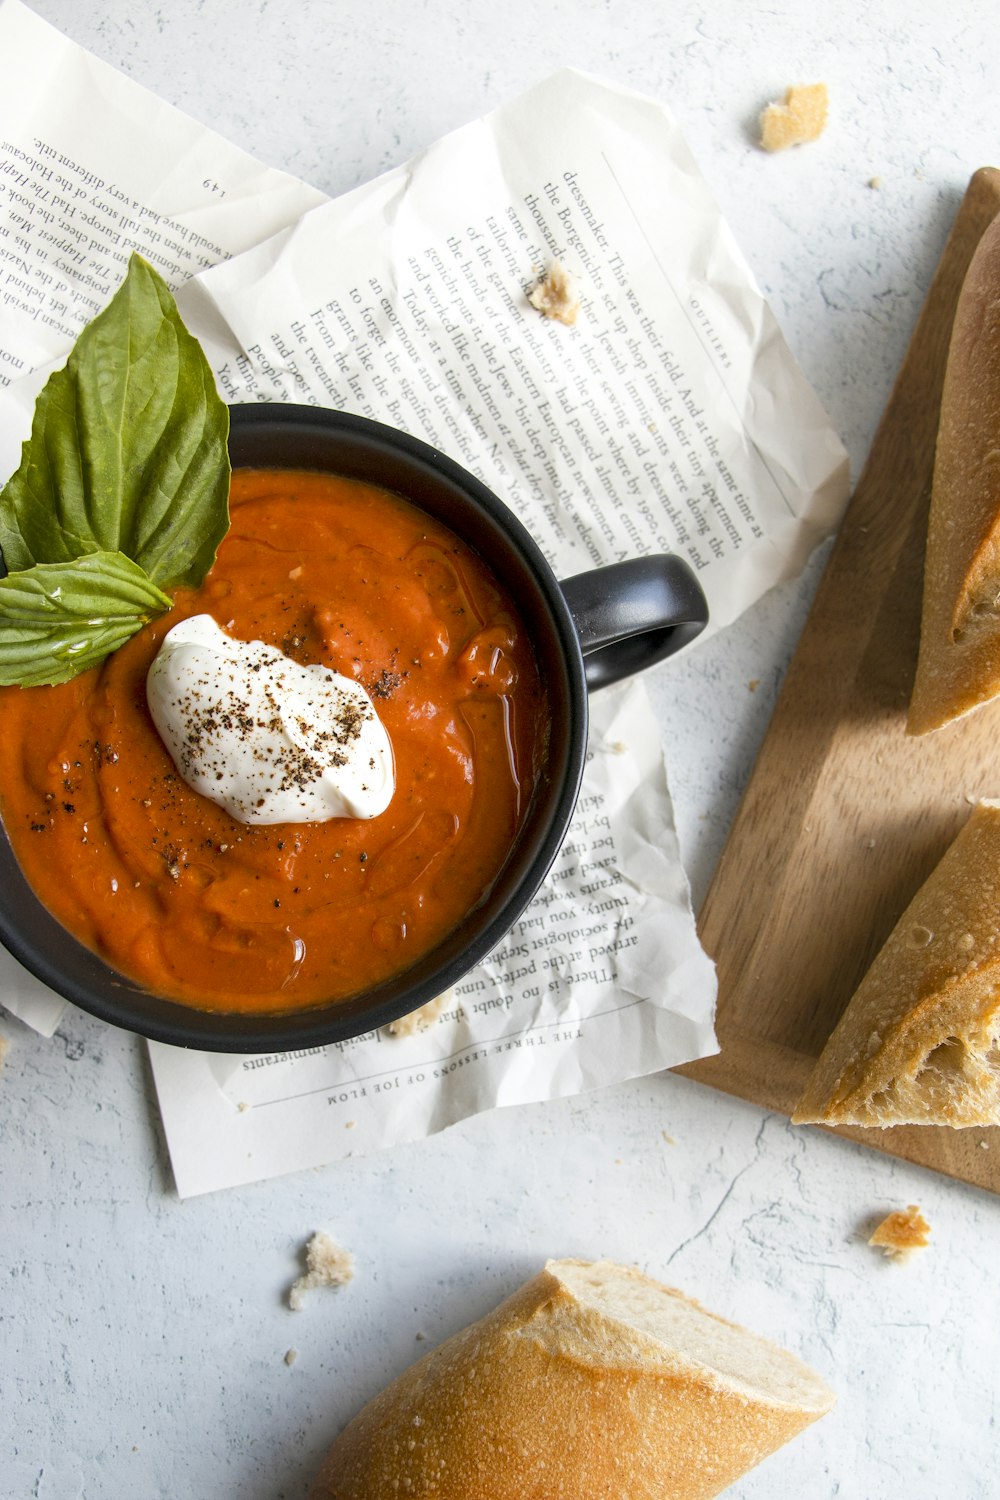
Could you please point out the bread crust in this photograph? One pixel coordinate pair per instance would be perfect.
(544, 1399)
(958, 667)
(917, 1044)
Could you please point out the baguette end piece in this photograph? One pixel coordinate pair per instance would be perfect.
(919, 1042)
(590, 1380)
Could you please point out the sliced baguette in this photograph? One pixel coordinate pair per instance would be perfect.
(958, 668)
(919, 1042)
(590, 1383)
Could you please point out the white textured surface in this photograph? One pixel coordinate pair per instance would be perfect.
(144, 1339)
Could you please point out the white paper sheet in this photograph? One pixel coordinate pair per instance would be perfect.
(671, 416)
(27, 997)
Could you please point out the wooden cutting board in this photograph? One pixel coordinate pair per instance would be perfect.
(844, 815)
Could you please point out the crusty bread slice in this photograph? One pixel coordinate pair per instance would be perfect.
(919, 1042)
(958, 668)
(590, 1383)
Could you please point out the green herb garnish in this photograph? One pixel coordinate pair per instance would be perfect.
(58, 619)
(122, 492)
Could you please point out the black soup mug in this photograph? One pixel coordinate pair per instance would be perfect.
(587, 632)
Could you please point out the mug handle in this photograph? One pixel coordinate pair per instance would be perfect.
(632, 614)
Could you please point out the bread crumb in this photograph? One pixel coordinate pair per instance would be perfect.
(902, 1232)
(668, 1138)
(326, 1265)
(243, 1106)
(753, 684)
(349, 1124)
(291, 1355)
(874, 182)
(420, 1337)
(984, 1145)
(4, 1044)
(801, 118)
(555, 296)
(421, 1018)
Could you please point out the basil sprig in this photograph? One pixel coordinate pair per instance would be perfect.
(58, 619)
(122, 492)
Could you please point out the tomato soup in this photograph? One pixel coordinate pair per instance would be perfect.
(225, 916)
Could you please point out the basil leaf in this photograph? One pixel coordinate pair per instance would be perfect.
(128, 447)
(58, 619)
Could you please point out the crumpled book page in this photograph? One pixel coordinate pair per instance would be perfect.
(93, 166)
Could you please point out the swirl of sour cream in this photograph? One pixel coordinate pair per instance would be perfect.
(267, 739)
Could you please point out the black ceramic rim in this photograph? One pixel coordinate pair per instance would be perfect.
(303, 437)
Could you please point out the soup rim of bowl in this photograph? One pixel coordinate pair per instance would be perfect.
(274, 435)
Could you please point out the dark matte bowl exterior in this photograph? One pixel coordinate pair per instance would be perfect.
(280, 436)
